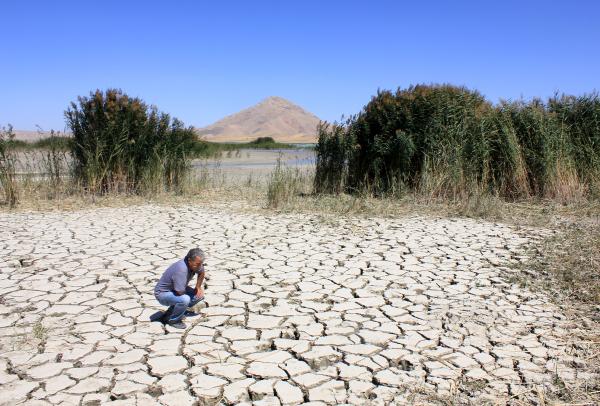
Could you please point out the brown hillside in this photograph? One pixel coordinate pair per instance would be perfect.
(273, 117)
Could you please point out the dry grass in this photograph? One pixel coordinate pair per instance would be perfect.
(533, 212)
(290, 193)
(567, 267)
(285, 184)
(570, 264)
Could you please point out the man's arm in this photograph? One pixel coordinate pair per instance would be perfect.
(199, 292)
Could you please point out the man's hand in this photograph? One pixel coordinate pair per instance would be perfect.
(199, 292)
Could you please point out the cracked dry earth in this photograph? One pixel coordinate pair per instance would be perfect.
(359, 311)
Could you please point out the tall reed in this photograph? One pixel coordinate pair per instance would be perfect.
(331, 158)
(284, 184)
(8, 160)
(580, 118)
(447, 141)
(120, 144)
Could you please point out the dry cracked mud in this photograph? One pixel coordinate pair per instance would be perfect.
(358, 311)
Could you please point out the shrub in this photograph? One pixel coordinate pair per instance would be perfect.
(448, 141)
(547, 149)
(331, 158)
(508, 175)
(580, 117)
(263, 140)
(121, 144)
(406, 139)
(8, 161)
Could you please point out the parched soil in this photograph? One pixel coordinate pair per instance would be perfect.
(415, 310)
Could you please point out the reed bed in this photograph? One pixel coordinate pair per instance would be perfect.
(449, 142)
(120, 144)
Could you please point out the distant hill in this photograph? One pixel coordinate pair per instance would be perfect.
(273, 117)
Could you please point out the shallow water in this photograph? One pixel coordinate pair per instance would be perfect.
(259, 159)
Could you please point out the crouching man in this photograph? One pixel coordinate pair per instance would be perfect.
(172, 289)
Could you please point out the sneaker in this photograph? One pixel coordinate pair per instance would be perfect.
(177, 324)
(166, 315)
(158, 316)
(190, 313)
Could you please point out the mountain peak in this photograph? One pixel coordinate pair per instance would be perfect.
(276, 100)
(272, 117)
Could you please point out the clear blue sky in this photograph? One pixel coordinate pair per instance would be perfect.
(200, 60)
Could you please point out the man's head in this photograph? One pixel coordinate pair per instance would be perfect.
(195, 259)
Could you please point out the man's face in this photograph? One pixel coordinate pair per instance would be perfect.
(195, 264)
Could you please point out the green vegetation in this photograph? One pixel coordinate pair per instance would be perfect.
(449, 142)
(206, 149)
(424, 143)
(120, 144)
(200, 148)
(263, 141)
(332, 158)
(55, 141)
(8, 160)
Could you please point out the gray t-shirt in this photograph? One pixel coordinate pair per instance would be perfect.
(175, 278)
